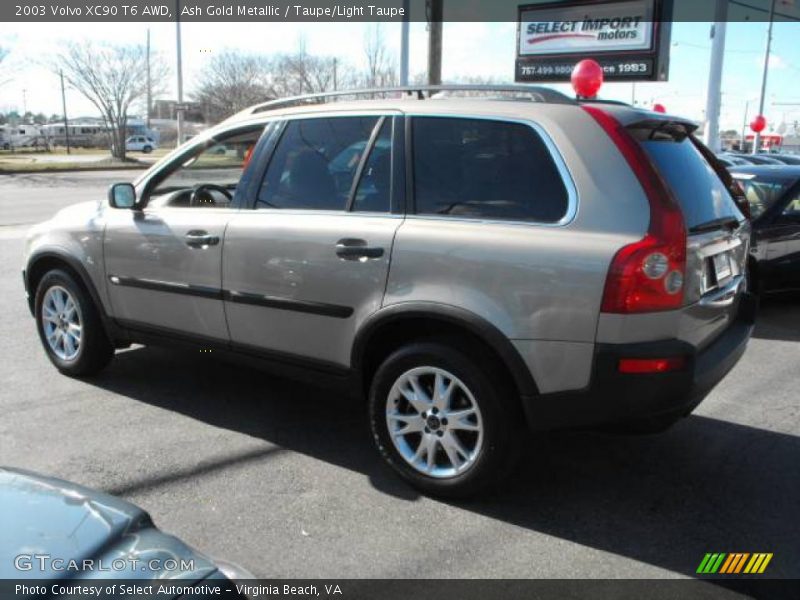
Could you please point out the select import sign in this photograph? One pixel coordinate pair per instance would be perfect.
(629, 38)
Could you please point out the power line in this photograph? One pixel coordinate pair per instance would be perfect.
(764, 10)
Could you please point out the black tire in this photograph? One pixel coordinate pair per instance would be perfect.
(147, 149)
(95, 350)
(499, 410)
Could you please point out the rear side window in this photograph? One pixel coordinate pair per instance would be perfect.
(373, 193)
(485, 169)
(698, 189)
(315, 162)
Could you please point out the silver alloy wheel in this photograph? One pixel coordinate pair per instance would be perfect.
(434, 422)
(61, 322)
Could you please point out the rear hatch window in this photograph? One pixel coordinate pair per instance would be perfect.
(698, 189)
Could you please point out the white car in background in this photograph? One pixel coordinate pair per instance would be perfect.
(140, 143)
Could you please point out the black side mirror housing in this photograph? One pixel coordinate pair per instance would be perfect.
(122, 195)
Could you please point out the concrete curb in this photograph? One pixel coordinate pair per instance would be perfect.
(72, 170)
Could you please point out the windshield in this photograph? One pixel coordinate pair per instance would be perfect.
(697, 187)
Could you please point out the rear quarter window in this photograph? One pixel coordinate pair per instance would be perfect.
(485, 169)
(698, 189)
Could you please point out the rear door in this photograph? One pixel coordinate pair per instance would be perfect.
(718, 233)
(309, 262)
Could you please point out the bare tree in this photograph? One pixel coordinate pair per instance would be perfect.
(3, 54)
(381, 67)
(234, 80)
(304, 73)
(112, 77)
(231, 82)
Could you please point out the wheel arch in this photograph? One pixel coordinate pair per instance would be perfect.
(42, 262)
(400, 323)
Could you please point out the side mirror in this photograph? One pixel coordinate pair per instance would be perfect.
(122, 195)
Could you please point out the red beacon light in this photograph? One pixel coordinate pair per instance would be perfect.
(758, 124)
(659, 108)
(587, 78)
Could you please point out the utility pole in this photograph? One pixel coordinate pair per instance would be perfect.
(757, 137)
(744, 126)
(179, 108)
(335, 69)
(714, 91)
(24, 103)
(435, 13)
(149, 86)
(64, 109)
(404, 44)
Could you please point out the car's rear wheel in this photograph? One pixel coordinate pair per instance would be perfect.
(69, 326)
(442, 420)
(147, 149)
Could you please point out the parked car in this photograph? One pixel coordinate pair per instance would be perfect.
(69, 534)
(729, 159)
(787, 159)
(774, 197)
(140, 143)
(761, 159)
(479, 263)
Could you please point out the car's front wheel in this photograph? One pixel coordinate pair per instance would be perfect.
(70, 326)
(443, 420)
(147, 149)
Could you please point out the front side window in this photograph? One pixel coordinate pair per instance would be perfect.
(209, 177)
(315, 163)
(761, 194)
(485, 169)
(792, 209)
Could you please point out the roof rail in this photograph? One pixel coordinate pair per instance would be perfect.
(537, 94)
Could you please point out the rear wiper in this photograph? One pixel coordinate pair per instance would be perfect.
(714, 224)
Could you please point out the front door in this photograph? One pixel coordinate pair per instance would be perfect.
(164, 262)
(163, 269)
(310, 261)
(783, 249)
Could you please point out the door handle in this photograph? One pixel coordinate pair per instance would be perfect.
(200, 239)
(356, 249)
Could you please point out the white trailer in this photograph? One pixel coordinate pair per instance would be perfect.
(21, 136)
(80, 135)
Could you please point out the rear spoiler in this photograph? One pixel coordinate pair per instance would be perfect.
(634, 118)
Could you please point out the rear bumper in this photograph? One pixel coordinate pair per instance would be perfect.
(614, 397)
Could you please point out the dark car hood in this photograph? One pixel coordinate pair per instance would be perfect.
(44, 516)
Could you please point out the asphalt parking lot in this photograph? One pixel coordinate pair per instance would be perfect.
(281, 477)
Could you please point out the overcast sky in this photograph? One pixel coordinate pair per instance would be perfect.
(486, 49)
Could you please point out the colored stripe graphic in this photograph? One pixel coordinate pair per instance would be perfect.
(711, 562)
(737, 563)
(734, 563)
(726, 565)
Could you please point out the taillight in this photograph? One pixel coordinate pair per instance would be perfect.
(647, 275)
(651, 365)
